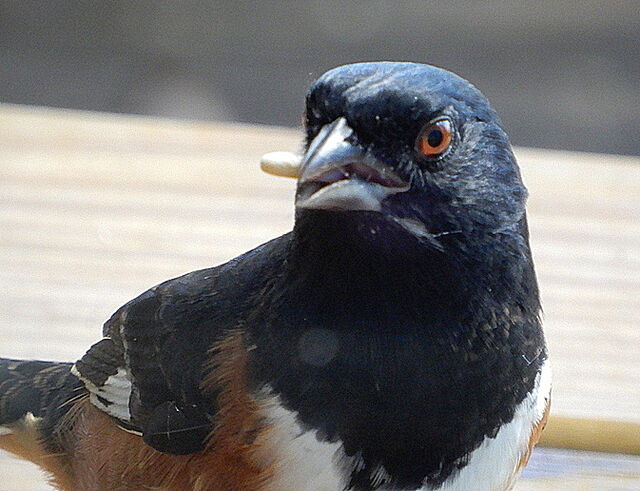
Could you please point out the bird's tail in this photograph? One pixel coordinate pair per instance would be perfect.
(34, 397)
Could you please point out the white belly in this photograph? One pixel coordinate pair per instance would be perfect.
(492, 466)
(306, 464)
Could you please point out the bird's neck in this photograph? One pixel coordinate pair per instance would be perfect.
(357, 267)
(353, 269)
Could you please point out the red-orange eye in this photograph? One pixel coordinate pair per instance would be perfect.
(435, 138)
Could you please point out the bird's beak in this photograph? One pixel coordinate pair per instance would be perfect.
(337, 174)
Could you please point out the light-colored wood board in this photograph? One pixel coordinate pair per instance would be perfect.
(96, 208)
(557, 469)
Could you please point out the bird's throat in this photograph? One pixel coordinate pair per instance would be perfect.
(359, 266)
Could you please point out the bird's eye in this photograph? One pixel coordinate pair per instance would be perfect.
(435, 138)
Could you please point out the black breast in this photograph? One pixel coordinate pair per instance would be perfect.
(403, 374)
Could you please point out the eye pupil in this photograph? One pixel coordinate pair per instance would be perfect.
(435, 138)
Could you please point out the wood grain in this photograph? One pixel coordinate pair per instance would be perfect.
(96, 208)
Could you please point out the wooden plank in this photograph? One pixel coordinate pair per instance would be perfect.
(96, 208)
(552, 469)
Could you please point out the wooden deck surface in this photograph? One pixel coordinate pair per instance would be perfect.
(96, 208)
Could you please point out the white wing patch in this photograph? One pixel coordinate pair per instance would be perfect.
(4, 430)
(113, 396)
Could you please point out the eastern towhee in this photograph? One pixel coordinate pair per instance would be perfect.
(390, 341)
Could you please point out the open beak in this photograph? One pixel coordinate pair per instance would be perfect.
(336, 174)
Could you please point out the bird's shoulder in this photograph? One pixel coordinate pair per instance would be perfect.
(147, 370)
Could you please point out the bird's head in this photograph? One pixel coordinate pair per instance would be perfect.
(408, 145)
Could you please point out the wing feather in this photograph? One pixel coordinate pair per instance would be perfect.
(147, 370)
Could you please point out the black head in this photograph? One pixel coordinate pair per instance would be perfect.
(410, 146)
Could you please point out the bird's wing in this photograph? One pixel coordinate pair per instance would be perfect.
(147, 370)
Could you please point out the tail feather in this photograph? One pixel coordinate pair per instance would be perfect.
(34, 398)
(40, 389)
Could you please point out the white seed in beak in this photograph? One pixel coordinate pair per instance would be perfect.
(283, 164)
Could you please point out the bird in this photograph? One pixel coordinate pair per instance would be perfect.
(392, 340)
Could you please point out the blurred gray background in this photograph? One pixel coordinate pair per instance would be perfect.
(561, 74)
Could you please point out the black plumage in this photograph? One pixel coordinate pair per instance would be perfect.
(45, 390)
(401, 321)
